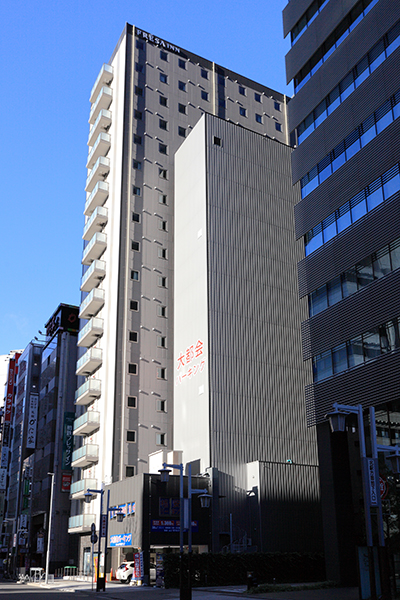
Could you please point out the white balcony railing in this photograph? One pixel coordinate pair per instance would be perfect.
(97, 197)
(89, 362)
(101, 124)
(105, 77)
(91, 305)
(91, 332)
(88, 392)
(80, 523)
(85, 455)
(99, 172)
(95, 273)
(95, 248)
(100, 148)
(87, 423)
(79, 488)
(103, 100)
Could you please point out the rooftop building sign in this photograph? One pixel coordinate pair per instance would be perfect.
(149, 37)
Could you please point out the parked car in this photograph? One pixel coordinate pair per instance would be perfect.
(125, 572)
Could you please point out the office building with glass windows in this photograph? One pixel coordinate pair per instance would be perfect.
(343, 122)
(144, 103)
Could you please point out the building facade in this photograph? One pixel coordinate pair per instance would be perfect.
(343, 119)
(144, 104)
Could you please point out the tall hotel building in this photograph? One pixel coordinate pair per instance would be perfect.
(144, 103)
(343, 118)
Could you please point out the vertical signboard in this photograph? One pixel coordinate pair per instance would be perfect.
(10, 391)
(32, 421)
(67, 440)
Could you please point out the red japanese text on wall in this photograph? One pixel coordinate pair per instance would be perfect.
(191, 362)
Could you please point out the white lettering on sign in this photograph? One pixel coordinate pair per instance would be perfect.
(157, 41)
(373, 492)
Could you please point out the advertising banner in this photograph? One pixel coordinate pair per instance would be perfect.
(10, 391)
(68, 438)
(3, 479)
(32, 421)
(121, 539)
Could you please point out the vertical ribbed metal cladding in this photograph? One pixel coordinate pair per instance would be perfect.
(373, 231)
(370, 384)
(124, 220)
(368, 164)
(360, 104)
(376, 304)
(256, 370)
(351, 50)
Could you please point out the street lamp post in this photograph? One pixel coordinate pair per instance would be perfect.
(49, 532)
(370, 479)
(185, 593)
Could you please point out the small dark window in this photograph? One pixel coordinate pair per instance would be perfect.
(182, 131)
(163, 78)
(257, 97)
(132, 368)
(277, 106)
(161, 341)
(137, 139)
(160, 439)
(136, 190)
(163, 101)
(161, 373)
(135, 275)
(139, 45)
(138, 115)
(204, 95)
(162, 148)
(182, 108)
(204, 74)
(161, 405)
(138, 91)
(139, 68)
(136, 217)
(163, 124)
(217, 141)
(278, 126)
(162, 253)
(242, 90)
(133, 336)
(131, 436)
(130, 471)
(162, 198)
(163, 55)
(163, 173)
(134, 305)
(242, 111)
(162, 225)
(135, 246)
(137, 165)
(258, 118)
(162, 281)
(132, 401)
(181, 63)
(182, 86)
(161, 311)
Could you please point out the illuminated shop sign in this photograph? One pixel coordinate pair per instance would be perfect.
(170, 525)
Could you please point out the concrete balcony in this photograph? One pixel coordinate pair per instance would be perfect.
(81, 523)
(87, 423)
(91, 332)
(89, 362)
(95, 248)
(89, 391)
(99, 172)
(97, 198)
(91, 305)
(95, 273)
(101, 125)
(102, 101)
(79, 488)
(96, 223)
(85, 455)
(100, 148)
(105, 77)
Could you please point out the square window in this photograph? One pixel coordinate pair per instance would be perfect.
(163, 124)
(133, 336)
(138, 115)
(161, 311)
(278, 126)
(161, 341)
(161, 439)
(217, 141)
(131, 436)
(139, 68)
(136, 190)
(182, 131)
(204, 74)
(132, 401)
(161, 406)
(138, 91)
(204, 95)
(139, 45)
(162, 225)
(182, 63)
(161, 373)
(137, 139)
(257, 97)
(163, 173)
(132, 368)
(137, 165)
(162, 253)
(134, 305)
(162, 148)
(258, 118)
(135, 246)
(242, 111)
(182, 86)
(163, 55)
(135, 275)
(162, 198)
(161, 281)
(129, 471)
(136, 217)
(242, 90)
(163, 101)
(277, 106)
(163, 78)
(182, 109)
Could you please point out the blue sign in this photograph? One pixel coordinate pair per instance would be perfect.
(171, 525)
(121, 539)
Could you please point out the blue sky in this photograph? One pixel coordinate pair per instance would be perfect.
(51, 54)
